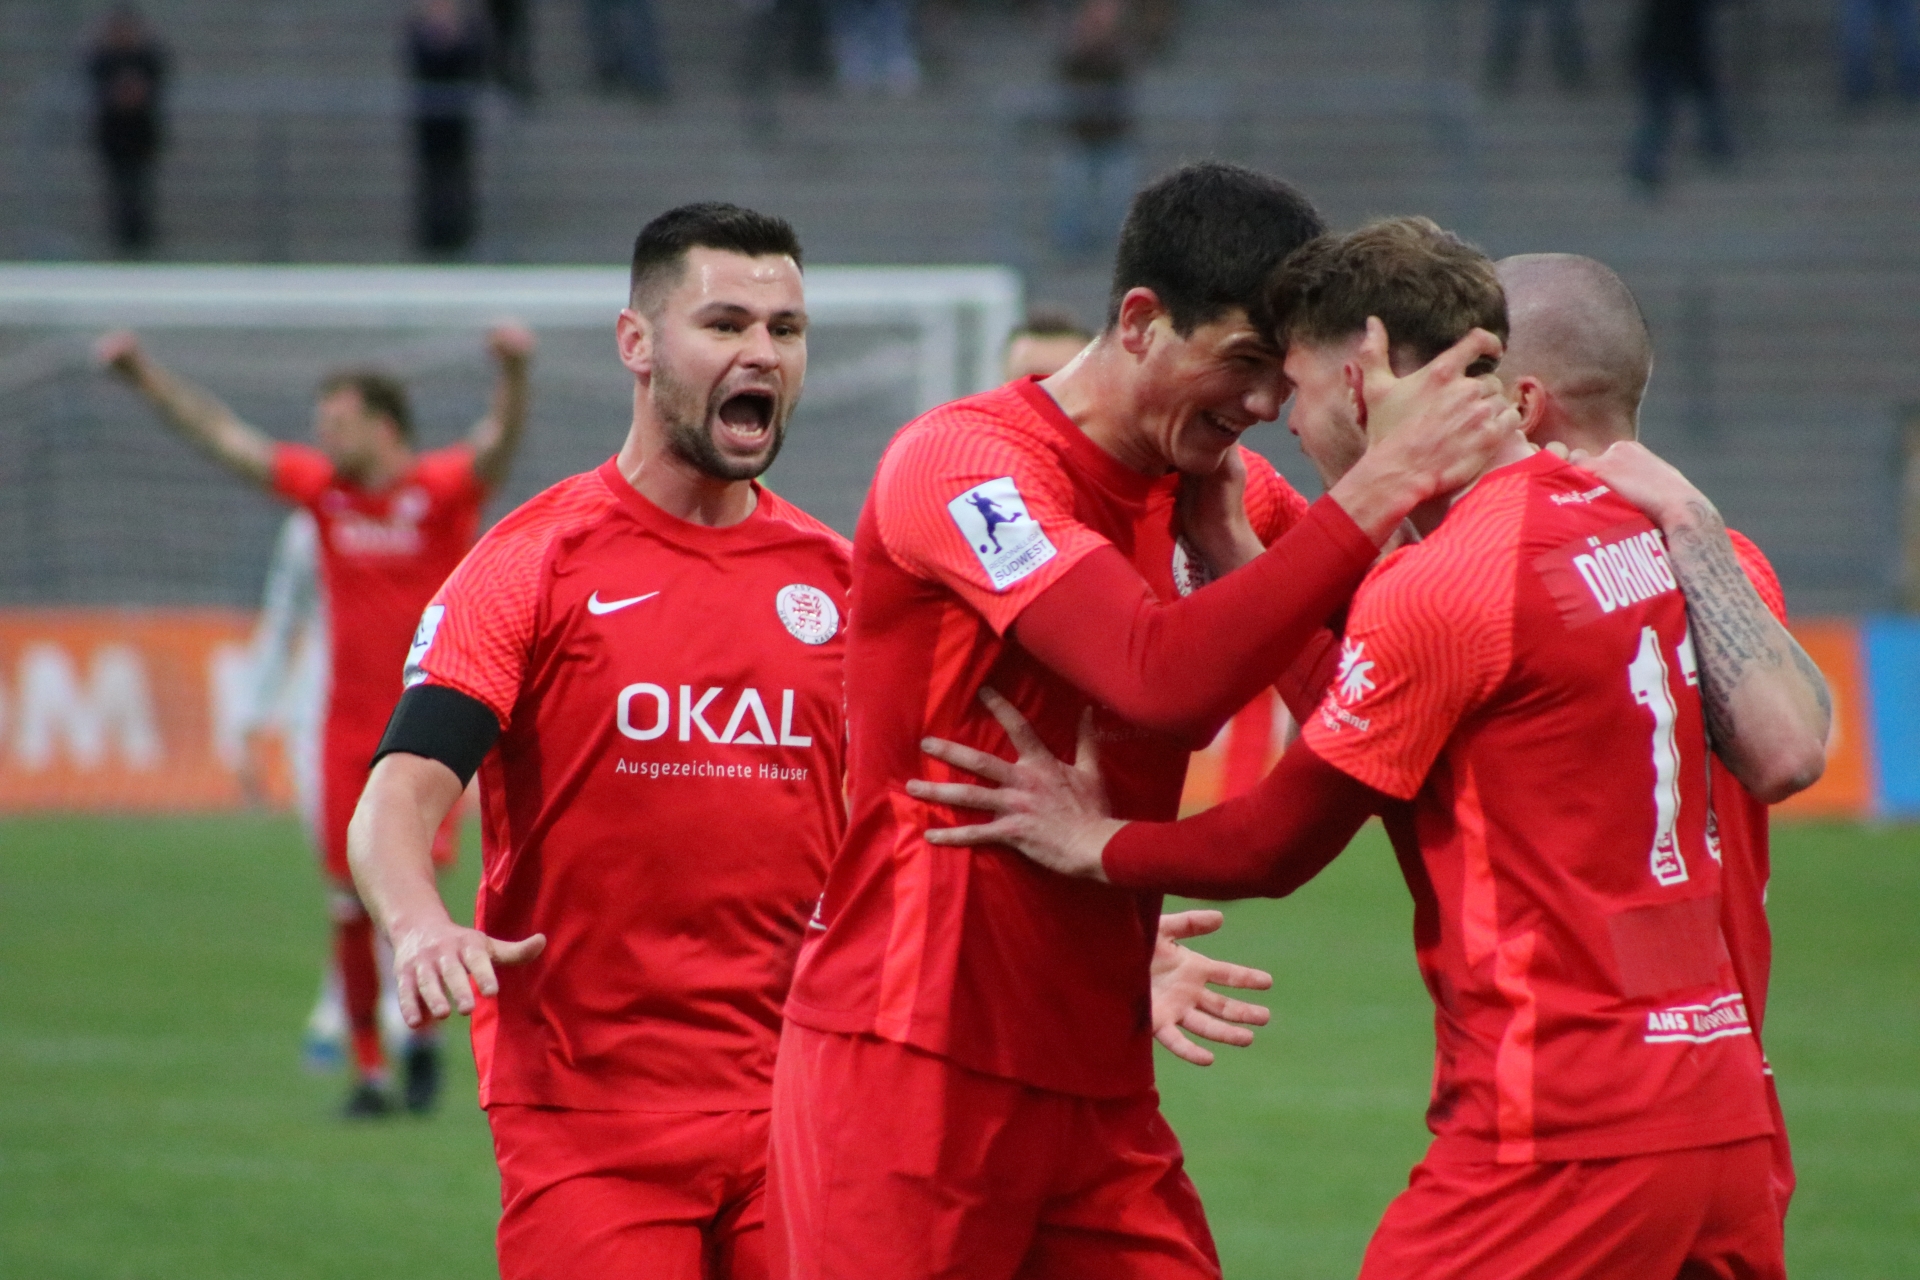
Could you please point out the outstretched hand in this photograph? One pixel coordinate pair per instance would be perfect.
(1054, 813)
(118, 352)
(437, 967)
(511, 343)
(1182, 999)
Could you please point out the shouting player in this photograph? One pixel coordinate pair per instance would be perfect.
(392, 523)
(1578, 362)
(1028, 538)
(1518, 697)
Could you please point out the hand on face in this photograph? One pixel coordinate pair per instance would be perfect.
(1440, 421)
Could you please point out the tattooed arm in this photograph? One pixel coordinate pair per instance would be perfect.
(1766, 703)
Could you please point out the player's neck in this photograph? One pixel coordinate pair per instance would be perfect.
(1426, 517)
(682, 490)
(383, 470)
(1096, 394)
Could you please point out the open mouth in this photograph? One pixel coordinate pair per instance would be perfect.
(1227, 430)
(747, 417)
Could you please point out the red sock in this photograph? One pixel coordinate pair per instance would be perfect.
(360, 984)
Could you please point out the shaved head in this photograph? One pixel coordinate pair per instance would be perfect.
(1576, 328)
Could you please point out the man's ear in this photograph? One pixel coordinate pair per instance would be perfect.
(633, 336)
(1356, 380)
(1139, 308)
(1531, 397)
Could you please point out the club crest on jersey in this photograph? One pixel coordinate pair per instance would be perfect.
(808, 613)
(993, 518)
(422, 641)
(1190, 572)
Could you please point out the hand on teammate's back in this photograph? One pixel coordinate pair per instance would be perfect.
(438, 966)
(1441, 422)
(1184, 1001)
(1645, 479)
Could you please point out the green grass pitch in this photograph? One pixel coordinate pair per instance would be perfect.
(154, 1121)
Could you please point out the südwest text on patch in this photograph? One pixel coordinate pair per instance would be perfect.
(993, 518)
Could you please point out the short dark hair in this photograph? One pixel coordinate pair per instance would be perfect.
(381, 394)
(1429, 287)
(1050, 322)
(1205, 238)
(660, 250)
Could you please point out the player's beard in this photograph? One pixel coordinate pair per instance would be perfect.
(687, 420)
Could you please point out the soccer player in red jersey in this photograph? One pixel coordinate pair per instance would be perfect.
(1028, 537)
(392, 522)
(644, 664)
(1518, 697)
(1578, 361)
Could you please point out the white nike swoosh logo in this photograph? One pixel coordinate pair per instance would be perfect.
(596, 605)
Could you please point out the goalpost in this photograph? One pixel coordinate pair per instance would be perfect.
(130, 565)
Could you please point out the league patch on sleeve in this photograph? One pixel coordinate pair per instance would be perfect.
(422, 641)
(993, 518)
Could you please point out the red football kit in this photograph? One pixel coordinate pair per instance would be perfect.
(661, 804)
(1745, 867)
(1517, 692)
(382, 556)
(950, 974)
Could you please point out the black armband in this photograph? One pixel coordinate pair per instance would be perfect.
(441, 724)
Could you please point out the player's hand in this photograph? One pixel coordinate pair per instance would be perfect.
(1182, 999)
(1441, 424)
(1054, 813)
(1212, 515)
(511, 343)
(1648, 481)
(118, 352)
(437, 967)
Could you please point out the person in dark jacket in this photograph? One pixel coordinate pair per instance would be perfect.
(127, 67)
(1098, 170)
(1674, 59)
(447, 59)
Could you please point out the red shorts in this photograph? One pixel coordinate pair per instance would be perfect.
(668, 1195)
(343, 776)
(893, 1164)
(1706, 1212)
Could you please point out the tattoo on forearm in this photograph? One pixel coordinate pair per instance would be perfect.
(1730, 631)
(1816, 681)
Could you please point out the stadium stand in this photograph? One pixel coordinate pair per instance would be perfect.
(1782, 293)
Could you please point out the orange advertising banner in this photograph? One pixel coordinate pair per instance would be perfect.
(1846, 789)
(121, 708)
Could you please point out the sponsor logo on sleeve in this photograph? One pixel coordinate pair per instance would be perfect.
(422, 641)
(1351, 683)
(808, 613)
(994, 520)
(1699, 1023)
(1592, 577)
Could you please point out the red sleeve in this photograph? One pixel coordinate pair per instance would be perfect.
(1760, 572)
(1427, 642)
(1273, 505)
(1306, 681)
(1183, 667)
(301, 473)
(477, 635)
(1264, 844)
(449, 474)
(985, 513)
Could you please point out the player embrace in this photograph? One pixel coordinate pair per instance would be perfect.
(1520, 697)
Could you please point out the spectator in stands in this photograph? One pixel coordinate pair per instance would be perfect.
(1044, 343)
(786, 40)
(1674, 59)
(127, 68)
(625, 38)
(873, 46)
(510, 26)
(447, 56)
(1507, 34)
(1858, 20)
(1099, 168)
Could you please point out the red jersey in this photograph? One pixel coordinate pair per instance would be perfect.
(978, 955)
(665, 792)
(382, 556)
(1526, 679)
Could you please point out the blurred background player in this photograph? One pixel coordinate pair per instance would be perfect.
(1578, 362)
(391, 523)
(1043, 344)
